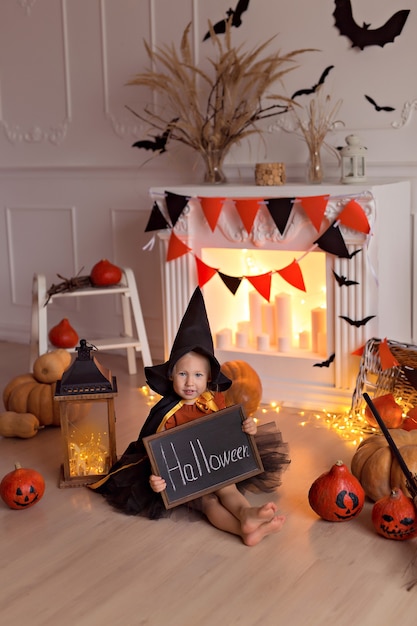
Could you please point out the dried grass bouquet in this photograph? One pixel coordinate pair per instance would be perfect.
(211, 113)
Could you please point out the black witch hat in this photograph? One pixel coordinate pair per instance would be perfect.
(193, 335)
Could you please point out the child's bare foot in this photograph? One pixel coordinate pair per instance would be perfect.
(254, 517)
(267, 528)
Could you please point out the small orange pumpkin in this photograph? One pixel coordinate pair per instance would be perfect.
(105, 274)
(63, 335)
(395, 516)
(391, 413)
(22, 488)
(336, 495)
(246, 386)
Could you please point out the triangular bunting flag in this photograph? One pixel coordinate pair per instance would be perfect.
(156, 220)
(315, 207)
(176, 248)
(175, 205)
(358, 351)
(411, 375)
(292, 274)
(204, 272)
(262, 284)
(231, 282)
(280, 210)
(386, 358)
(353, 216)
(212, 208)
(248, 209)
(331, 241)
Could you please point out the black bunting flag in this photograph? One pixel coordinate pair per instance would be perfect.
(280, 211)
(156, 220)
(231, 282)
(332, 241)
(175, 205)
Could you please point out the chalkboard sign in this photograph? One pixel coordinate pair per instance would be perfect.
(203, 455)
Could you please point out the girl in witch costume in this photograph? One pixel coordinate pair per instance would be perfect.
(191, 384)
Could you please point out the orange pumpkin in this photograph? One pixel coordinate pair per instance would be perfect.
(63, 335)
(246, 386)
(410, 421)
(22, 488)
(336, 495)
(375, 467)
(395, 516)
(391, 413)
(105, 274)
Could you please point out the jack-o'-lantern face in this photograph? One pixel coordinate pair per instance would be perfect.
(22, 488)
(395, 528)
(348, 505)
(25, 495)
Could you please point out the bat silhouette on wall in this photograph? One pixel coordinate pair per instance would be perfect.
(376, 106)
(352, 254)
(236, 15)
(362, 36)
(343, 281)
(159, 142)
(357, 323)
(325, 363)
(313, 89)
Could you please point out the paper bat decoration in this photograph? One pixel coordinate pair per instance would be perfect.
(313, 89)
(343, 281)
(362, 36)
(376, 106)
(157, 144)
(352, 254)
(325, 363)
(357, 323)
(220, 27)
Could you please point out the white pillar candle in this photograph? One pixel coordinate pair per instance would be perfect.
(318, 325)
(244, 327)
(322, 344)
(262, 342)
(268, 321)
(284, 344)
(304, 340)
(224, 339)
(283, 318)
(255, 313)
(242, 339)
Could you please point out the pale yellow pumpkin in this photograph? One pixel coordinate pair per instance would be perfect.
(377, 469)
(22, 425)
(15, 382)
(49, 367)
(246, 386)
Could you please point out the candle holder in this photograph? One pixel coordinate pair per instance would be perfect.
(353, 161)
(86, 395)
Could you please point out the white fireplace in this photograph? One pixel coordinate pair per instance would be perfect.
(291, 361)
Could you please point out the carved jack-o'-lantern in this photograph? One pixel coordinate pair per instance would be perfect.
(336, 495)
(395, 516)
(22, 488)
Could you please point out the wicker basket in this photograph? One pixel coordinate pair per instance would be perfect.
(377, 382)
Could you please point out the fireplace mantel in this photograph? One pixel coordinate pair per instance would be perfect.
(383, 271)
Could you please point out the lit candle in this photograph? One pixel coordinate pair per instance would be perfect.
(304, 340)
(255, 311)
(318, 325)
(283, 316)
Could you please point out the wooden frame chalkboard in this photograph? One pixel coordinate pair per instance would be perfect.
(199, 457)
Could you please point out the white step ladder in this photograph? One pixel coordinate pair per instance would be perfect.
(132, 341)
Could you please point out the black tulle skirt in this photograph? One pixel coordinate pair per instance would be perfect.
(127, 488)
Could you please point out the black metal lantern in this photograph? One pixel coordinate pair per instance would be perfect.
(86, 395)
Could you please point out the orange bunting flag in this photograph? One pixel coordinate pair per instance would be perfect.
(248, 209)
(353, 216)
(386, 358)
(176, 248)
(212, 208)
(204, 272)
(292, 274)
(358, 351)
(315, 207)
(262, 284)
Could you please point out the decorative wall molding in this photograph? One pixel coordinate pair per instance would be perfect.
(406, 114)
(27, 5)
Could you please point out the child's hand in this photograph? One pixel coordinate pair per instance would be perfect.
(157, 483)
(249, 426)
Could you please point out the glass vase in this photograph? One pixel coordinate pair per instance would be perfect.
(213, 161)
(315, 167)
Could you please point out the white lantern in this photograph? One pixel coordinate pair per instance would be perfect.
(353, 160)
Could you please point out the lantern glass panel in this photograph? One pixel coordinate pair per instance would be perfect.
(88, 440)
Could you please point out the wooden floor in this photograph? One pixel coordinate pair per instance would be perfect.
(71, 560)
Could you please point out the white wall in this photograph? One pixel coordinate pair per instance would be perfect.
(73, 190)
